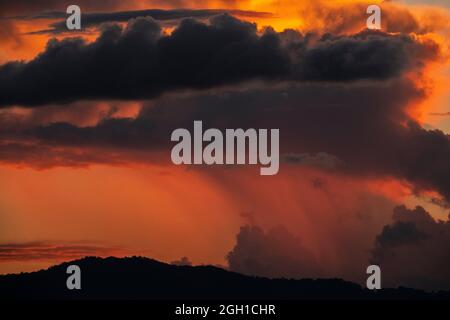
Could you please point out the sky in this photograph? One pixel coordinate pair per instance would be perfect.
(442, 3)
(364, 118)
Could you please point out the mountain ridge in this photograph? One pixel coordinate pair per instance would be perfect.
(140, 278)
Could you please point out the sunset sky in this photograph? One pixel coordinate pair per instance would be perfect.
(364, 119)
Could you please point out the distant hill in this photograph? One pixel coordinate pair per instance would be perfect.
(143, 278)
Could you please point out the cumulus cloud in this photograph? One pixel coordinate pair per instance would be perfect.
(140, 62)
(414, 250)
(274, 254)
(184, 261)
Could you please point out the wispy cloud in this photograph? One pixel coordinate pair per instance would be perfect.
(440, 114)
(52, 250)
(94, 19)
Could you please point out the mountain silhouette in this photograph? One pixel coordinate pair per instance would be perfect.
(143, 278)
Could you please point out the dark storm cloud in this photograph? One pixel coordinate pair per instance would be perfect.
(414, 250)
(400, 233)
(126, 133)
(139, 62)
(366, 55)
(44, 250)
(364, 127)
(362, 123)
(274, 254)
